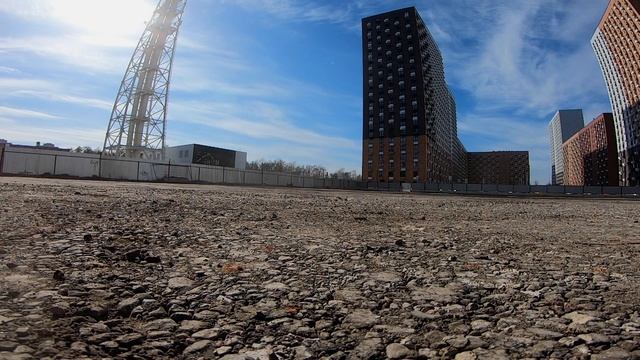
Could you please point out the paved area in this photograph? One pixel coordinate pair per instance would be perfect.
(128, 270)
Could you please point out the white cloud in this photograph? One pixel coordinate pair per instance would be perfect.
(10, 112)
(69, 99)
(47, 90)
(258, 120)
(76, 50)
(8, 70)
(67, 137)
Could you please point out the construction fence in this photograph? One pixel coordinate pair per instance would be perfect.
(29, 162)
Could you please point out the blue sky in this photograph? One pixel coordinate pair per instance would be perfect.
(282, 79)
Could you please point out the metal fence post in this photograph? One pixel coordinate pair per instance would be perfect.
(199, 169)
(262, 179)
(223, 174)
(100, 166)
(169, 170)
(55, 163)
(138, 173)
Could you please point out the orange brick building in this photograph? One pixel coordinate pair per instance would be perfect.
(591, 156)
(616, 43)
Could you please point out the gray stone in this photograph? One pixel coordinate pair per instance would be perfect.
(467, 355)
(165, 324)
(361, 318)
(197, 347)
(579, 318)
(398, 351)
(613, 353)
(129, 340)
(594, 339)
(367, 349)
(545, 334)
(208, 334)
(180, 283)
(125, 306)
(8, 345)
(192, 325)
(481, 326)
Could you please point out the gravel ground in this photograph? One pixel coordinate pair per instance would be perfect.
(125, 270)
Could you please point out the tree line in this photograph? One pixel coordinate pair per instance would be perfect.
(303, 170)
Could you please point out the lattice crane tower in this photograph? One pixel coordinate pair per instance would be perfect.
(139, 116)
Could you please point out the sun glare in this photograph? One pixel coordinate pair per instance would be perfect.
(103, 19)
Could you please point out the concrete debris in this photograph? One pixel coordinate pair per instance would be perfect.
(164, 271)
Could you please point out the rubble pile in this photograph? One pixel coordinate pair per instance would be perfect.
(103, 269)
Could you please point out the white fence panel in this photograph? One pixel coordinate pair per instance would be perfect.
(77, 166)
(28, 164)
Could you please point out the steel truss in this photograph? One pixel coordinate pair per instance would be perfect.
(138, 123)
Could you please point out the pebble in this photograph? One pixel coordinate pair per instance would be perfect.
(175, 271)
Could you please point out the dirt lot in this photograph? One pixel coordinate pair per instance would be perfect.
(105, 269)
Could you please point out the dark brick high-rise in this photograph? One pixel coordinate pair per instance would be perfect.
(410, 131)
(498, 167)
(590, 156)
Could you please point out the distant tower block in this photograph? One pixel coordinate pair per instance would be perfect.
(139, 117)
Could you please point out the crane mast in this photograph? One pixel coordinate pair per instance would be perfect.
(138, 123)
